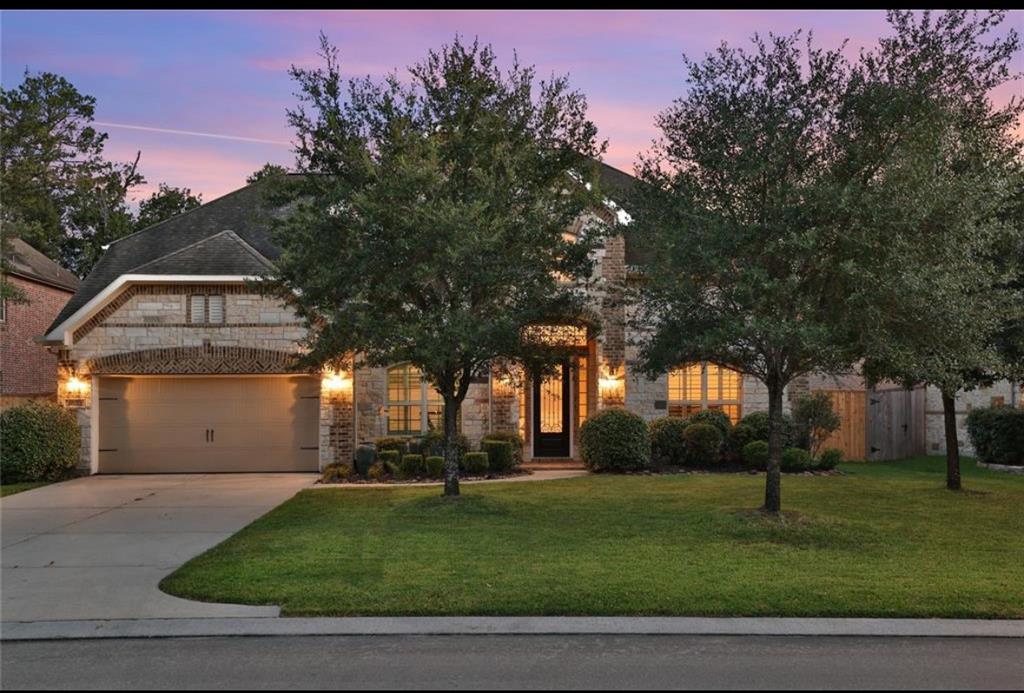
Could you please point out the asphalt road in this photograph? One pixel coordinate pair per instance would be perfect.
(461, 662)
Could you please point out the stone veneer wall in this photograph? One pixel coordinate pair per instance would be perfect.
(935, 427)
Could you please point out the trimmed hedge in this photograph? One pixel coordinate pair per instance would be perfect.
(796, 460)
(758, 421)
(41, 442)
(716, 417)
(830, 457)
(703, 445)
(615, 439)
(476, 463)
(997, 434)
(432, 443)
(399, 445)
(499, 455)
(434, 466)
(411, 466)
(512, 438)
(388, 458)
(755, 455)
(739, 436)
(668, 447)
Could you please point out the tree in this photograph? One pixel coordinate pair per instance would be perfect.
(815, 419)
(941, 208)
(167, 202)
(59, 193)
(430, 226)
(736, 205)
(266, 171)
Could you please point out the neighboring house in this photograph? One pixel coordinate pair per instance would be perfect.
(175, 364)
(27, 369)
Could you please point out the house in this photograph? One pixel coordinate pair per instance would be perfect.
(174, 363)
(27, 369)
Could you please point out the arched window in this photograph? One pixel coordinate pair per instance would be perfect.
(698, 386)
(414, 406)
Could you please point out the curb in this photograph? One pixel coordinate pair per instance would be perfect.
(524, 625)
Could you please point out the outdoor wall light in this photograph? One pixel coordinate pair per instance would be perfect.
(336, 382)
(76, 386)
(612, 386)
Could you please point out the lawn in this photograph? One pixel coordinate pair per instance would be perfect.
(883, 539)
(11, 489)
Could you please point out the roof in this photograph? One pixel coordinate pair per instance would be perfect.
(26, 261)
(230, 235)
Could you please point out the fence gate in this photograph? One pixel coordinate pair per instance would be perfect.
(895, 424)
(850, 438)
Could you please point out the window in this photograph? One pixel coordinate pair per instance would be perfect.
(698, 386)
(206, 309)
(3, 309)
(414, 406)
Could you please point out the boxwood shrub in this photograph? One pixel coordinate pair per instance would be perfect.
(499, 455)
(796, 460)
(739, 436)
(755, 455)
(476, 463)
(668, 447)
(411, 466)
(399, 445)
(615, 439)
(829, 458)
(758, 421)
(514, 439)
(41, 442)
(703, 445)
(716, 417)
(997, 434)
(389, 460)
(434, 466)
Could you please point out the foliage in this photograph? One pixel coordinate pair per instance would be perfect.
(388, 459)
(716, 417)
(703, 445)
(337, 472)
(378, 471)
(366, 456)
(40, 443)
(434, 466)
(411, 466)
(476, 463)
(615, 440)
(815, 419)
(739, 436)
(758, 422)
(415, 181)
(399, 445)
(165, 203)
(667, 444)
(268, 170)
(829, 458)
(997, 434)
(514, 439)
(433, 443)
(755, 455)
(499, 455)
(796, 460)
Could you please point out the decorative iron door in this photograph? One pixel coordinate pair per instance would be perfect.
(551, 414)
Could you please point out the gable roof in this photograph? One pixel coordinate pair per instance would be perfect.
(26, 261)
(230, 235)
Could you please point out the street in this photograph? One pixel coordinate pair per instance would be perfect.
(537, 662)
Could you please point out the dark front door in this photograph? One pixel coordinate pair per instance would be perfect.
(551, 418)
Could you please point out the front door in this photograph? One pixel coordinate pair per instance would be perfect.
(551, 419)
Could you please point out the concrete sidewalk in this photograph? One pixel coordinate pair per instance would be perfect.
(522, 625)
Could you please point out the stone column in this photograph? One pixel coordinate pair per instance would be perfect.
(337, 418)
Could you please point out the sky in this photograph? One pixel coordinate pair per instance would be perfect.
(203, 94)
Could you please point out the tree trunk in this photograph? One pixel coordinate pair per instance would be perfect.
(952, 444)
(451, 451)
(773, 481)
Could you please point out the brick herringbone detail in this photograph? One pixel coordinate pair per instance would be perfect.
(193, 360)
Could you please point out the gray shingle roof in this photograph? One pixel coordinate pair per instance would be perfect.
(28, 262)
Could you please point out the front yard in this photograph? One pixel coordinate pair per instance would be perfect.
(884, 539)
(11, 489)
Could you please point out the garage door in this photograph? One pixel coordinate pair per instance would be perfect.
(208, 424)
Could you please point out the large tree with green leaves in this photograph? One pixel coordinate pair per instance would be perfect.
(737, 210)
(431, 224)
(166, 202)
(938, 207)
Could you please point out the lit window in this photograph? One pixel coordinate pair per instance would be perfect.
(414, 405)
(699, 386)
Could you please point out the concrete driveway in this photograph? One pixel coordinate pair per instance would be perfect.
(96, 547)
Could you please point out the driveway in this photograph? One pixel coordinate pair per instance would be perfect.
(97, 547)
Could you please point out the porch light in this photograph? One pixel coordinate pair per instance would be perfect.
(612, 386)
(336, 382)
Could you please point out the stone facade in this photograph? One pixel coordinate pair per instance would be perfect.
(1003, 392)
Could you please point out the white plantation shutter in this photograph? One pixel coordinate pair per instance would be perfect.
(215, 309)
(197, 308)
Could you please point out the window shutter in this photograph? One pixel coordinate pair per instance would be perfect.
(215, 309)
(197, 309)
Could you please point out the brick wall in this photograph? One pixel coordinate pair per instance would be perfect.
(26, 367)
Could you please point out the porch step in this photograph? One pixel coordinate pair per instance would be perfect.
(553, 463)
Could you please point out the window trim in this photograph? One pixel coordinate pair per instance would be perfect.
(190, 308)
(423, 402)
(706, 402)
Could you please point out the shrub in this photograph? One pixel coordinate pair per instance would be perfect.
(829, 458)
(434, 466)
(758, 421)
(432, 443)
(40, 443)
(514, 439)
(814, 420)
(755, 455)
(796, 460)
(716, 417)
(703, 445)
(476, 463)
(388, 459)
(615, 439)
(668, 447)
(399, 445)
(997, 434)
(337, 472)
(377, 472)
(499, 455)
(738, 437)
(411, 466)
(366, 455)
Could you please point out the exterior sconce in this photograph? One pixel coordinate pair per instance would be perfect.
(612, 387)
(76, 386)
(336, 382)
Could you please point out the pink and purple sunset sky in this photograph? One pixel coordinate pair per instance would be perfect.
(203, 94)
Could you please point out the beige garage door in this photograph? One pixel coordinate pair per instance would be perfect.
(208, 424)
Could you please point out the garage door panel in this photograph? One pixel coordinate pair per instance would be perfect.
(162, 424)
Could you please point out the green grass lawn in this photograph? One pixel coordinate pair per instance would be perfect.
(11, 489)
(884, 539)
